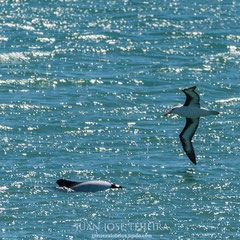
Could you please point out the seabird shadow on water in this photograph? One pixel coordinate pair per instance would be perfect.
(189, 175)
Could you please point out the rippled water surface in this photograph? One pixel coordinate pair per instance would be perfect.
(83, 89)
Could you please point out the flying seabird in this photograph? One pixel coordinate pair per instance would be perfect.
(87, 186)
(192, 111)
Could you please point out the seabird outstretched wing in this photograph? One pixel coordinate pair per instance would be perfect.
(186, 137)
(193, 98)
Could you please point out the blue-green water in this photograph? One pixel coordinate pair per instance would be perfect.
(83, 89)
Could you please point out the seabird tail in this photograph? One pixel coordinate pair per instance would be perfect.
(214, 112)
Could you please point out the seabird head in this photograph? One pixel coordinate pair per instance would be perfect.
(174, 110)
(115, 186)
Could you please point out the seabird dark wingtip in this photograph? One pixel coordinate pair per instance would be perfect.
(191, 157)
(194, 87)
(194, 161)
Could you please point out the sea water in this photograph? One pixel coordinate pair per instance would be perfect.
(83, 89)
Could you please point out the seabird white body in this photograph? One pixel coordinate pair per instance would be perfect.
(88, 186)
(192, 112)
